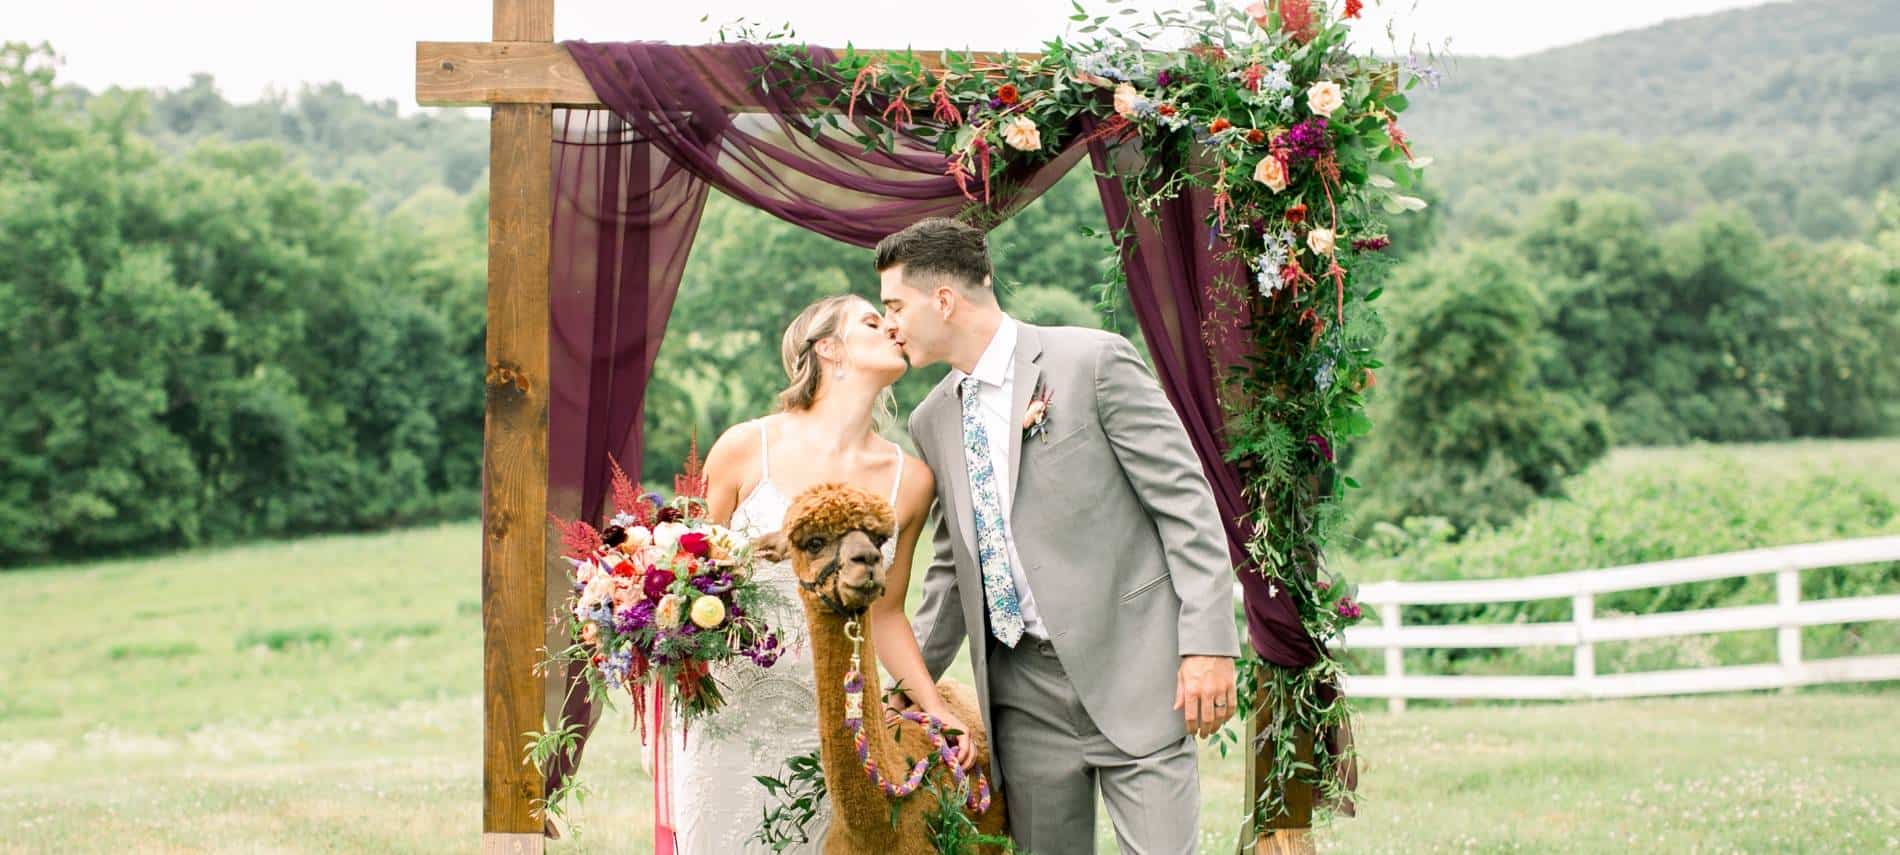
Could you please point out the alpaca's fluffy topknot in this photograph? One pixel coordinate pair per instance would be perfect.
(830, 510)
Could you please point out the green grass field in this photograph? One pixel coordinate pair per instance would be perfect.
(323, 695)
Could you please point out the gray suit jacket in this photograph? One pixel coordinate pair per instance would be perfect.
(1121, 541)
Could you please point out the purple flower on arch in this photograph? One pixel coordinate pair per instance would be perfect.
(1308, 140)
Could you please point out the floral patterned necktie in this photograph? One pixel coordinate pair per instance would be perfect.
(992, 552)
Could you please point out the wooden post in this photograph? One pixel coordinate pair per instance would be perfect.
(1394, 654)
(1788, 634)
(515, 447)
(1583, 612)
(1290, 832)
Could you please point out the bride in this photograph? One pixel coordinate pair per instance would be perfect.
(841, 366)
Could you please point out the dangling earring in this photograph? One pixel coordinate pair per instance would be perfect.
(838, 374)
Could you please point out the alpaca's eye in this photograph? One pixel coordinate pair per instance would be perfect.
(877, 540)
(813, 544)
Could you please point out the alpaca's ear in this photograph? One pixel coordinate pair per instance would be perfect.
(772, 547)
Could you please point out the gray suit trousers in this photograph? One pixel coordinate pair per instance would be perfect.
(1054, 758)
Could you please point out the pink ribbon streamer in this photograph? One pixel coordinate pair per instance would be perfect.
(657, 736)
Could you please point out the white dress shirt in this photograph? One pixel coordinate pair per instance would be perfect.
(996, 374)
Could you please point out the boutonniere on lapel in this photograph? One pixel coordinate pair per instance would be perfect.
(1036, 415)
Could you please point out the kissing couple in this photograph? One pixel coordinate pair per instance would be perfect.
(1077, 553)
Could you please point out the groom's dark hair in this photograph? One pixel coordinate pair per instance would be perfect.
(938, 246)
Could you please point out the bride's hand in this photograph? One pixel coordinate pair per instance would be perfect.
(966, 747)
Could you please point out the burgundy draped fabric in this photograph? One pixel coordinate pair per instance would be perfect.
(703, 107)
(1171, 261)
(1172, 267)
(623, 222)
(630, 183)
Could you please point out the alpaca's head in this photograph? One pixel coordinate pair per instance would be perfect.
(834, 535)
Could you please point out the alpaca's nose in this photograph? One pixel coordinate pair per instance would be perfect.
(858, 550)
(862, 563)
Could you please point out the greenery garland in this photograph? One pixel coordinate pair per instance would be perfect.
(1294, 140)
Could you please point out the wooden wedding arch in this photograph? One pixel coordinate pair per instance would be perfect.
(522, 76)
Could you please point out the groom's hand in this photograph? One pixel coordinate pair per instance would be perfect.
(1204, 692)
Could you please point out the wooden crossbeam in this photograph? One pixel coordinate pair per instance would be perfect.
(475, 74)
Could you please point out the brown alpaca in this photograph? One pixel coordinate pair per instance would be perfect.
(833, 534)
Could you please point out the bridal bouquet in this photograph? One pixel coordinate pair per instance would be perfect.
(660, 595)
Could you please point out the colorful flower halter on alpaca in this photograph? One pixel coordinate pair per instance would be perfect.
(978, 799)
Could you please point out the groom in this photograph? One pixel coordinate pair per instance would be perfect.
(1079, 550)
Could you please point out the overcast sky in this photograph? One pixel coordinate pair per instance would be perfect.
(251, 46)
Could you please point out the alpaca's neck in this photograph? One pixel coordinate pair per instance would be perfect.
(858, 803)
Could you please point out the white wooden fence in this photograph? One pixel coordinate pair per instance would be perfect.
(1585, 629)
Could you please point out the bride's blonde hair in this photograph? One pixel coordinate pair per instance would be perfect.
(805, 371)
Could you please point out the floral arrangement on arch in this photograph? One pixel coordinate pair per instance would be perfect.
(1295, 141)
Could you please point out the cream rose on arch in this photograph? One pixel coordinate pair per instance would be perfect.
(1271, 172)
(1022, 134)
(1325, 97)
(1320, 241)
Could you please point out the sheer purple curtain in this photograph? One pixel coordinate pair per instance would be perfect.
(623, 223)
(1172, 267)
(1194, 331)
(630, 183)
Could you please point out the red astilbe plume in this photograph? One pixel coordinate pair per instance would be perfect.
(956, 170)
(1354, 7)
(637, 698)
(858, 85)
(1397, 137)
(1338, 275)
(1296, 18)
(897, 114)
(1293, 275)
(686, 682)
(691, 482)
(946, 110)
(581, 540)
(1328, 169)
(1308, 316)
(1115, 129)
(636, 691)
(1223, 204)
(629, 498)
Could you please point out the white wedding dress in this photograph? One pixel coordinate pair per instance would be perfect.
(770, 714)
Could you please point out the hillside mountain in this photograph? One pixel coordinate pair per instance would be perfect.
(1778, 74)
(1790, 111)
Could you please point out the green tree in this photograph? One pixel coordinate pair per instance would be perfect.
(1464, 428)
(215, 346)
(1046, 306)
